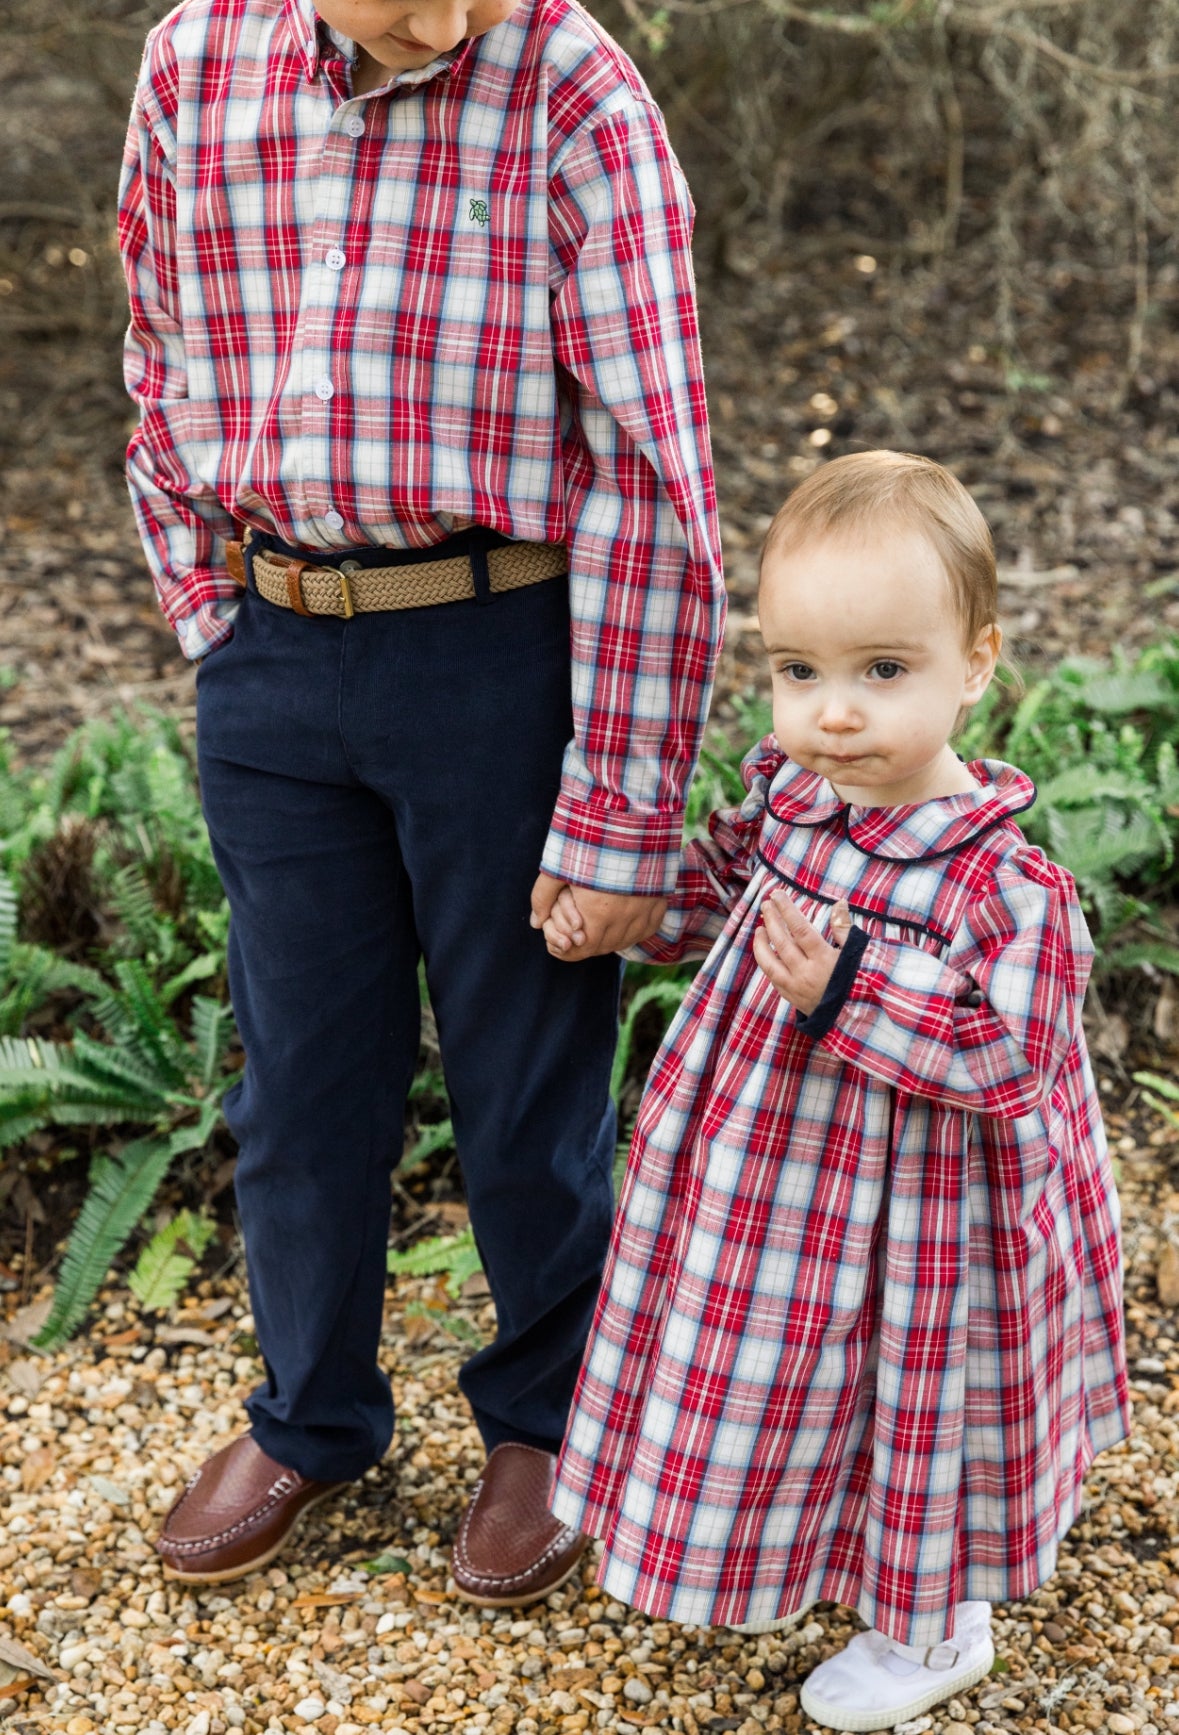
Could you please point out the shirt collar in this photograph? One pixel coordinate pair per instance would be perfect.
(310, 34)
(913, 833)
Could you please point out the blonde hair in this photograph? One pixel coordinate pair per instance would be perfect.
(898, 489)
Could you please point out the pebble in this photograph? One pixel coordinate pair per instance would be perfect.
(138, 1655)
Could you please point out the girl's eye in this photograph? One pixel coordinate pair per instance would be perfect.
(797, 671)
(887, 670)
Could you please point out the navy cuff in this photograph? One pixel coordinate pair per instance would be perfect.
(817, 1023)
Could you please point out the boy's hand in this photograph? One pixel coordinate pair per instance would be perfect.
(609, 921)
(792, 952)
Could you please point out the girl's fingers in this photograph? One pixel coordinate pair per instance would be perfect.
(768, 960)
(786, 923)
(568, 916)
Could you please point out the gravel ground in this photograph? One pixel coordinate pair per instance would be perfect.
(97, 1440)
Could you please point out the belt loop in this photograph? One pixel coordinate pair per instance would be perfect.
(480, 575)
(294, 575)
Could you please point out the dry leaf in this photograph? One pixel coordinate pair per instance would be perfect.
(15, 1660)
(37, 1469)
(417, 1327)
(430, 1595)
(122, 1338)
(1112, 1037)
(84, 1581)
(20, 1684)
(109, 1491)
(475, 1286)
(1166, 1009)
(327, 1599)
(24, 1325)
(184, 1334)
(25, 1376)
(1168, 1276)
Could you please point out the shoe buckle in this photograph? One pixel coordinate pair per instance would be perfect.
(943, 1656)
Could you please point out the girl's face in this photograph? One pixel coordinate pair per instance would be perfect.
(869, 667)
(405, 35)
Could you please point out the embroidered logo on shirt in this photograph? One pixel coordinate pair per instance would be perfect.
(479, 211)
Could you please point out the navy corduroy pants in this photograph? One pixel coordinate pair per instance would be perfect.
(378, 791)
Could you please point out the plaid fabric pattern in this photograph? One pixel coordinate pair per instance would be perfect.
(465, 299)
(860, 1334)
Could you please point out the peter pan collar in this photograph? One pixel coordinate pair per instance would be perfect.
(914, 833)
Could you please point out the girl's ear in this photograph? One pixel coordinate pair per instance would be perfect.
(981, 662)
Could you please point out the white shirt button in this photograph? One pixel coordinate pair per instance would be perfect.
(333, 519)
(334, 259)
(354, 126)
(323, 388)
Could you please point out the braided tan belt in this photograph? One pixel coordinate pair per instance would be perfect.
(349, 588)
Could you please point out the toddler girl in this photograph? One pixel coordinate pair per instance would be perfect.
(860, 1333)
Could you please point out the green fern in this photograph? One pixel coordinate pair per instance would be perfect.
(1153, 952)
(456, 1256)
(35, 975)
(433, 1136)
(664, 993)
(169, 1260)
(1156, 1088)
(146, 1074)
(121, 1190)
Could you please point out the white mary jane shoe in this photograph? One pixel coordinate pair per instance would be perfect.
(875, 1683)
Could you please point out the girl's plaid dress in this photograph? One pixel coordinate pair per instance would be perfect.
(860, 1334)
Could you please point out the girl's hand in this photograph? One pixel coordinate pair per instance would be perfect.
(792, 952)
(563, 928)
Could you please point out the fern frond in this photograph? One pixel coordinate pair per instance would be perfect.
(434, 1136)
(212, 1033)
(144, 1083)
(664, 994)
(121, 1189)
(1124, 690)
(455, 1255)
(164, 1267)
(1094, 843)
(1155, 952)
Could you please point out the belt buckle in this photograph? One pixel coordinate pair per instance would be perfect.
(344, 573)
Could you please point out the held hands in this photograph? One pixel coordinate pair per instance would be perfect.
(589, 923)
(792, 952)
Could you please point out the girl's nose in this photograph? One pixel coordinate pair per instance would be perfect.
(837, 715)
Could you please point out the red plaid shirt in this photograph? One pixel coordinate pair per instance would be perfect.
(464, 298)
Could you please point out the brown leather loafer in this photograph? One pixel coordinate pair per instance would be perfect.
(509, 1548)
(235, 1515)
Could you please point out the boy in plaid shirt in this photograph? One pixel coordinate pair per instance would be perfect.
(860, 1335)
(411, 301)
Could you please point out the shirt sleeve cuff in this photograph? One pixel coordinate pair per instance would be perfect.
(636, 854)
(207, 629)
(817, 1023)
